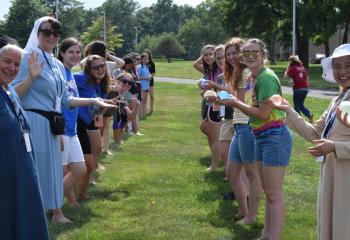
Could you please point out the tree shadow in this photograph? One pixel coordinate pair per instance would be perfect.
(224, 215)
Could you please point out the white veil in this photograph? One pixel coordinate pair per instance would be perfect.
(33, 38)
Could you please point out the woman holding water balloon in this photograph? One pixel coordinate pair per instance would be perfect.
(272, 139)
(332, 149)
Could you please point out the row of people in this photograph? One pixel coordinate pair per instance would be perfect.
(261, 145)
(38, 91)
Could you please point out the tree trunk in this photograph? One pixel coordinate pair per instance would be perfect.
(272, 49)
(346, 32)
(303, 49)
(326, 48)
(169, 59)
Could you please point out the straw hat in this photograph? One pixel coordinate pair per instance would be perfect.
(341, 51)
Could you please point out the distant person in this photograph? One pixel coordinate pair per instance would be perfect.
(152, 70)
(298, 73)
(144, 76)
(210, 125)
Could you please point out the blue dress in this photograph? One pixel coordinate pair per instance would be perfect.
(46, 146)
(22, 212)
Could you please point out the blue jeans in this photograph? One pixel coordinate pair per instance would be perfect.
(298, 100)
(242, 145)
(273, 147)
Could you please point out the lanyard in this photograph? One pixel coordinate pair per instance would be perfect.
(8, 96)
(330, 119)
(54, 75)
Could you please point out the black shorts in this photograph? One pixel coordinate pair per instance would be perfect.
(83, 136)
(151, 82)
(209, 114)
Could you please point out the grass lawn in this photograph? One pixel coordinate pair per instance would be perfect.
(184, 69)
(155, 186)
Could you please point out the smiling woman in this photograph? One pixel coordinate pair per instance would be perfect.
(332, 149)
(44, 94)
(22, 213)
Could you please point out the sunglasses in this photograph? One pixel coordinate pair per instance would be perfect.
(254, 54)
(125, 81)
(48, 33)
(98, 67)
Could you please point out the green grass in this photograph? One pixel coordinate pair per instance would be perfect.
(184, 69)
(155, 186)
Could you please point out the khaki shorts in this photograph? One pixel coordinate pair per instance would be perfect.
(226, 130)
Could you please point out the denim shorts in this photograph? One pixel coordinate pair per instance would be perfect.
(242, 145)
(273, 147)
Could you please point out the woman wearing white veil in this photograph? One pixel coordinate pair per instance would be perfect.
(43, 90)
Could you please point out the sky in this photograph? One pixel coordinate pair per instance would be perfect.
(5, 4)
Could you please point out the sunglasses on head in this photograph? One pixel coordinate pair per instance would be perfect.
(254, 53)
(125, 81)
(48, 32)
(97, 67)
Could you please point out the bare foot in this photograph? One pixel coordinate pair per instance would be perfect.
(246, 221)
(74, 204)
(60, 219)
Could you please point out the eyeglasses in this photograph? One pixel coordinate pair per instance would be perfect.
(48, 33)
(254, 53)
(97, 67)
(125, 81)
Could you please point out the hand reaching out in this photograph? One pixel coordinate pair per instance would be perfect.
(104, 103)
(232, 102)
(34, 65)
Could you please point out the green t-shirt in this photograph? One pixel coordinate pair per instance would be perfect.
(267, 84)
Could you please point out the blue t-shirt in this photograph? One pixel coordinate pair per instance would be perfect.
(71, 116)
(143, 72)
(87, 90)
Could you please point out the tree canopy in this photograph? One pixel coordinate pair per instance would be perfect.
(211, 22)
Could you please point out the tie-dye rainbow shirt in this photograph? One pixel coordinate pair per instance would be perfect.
(267, 84)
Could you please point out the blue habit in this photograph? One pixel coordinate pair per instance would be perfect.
(21, 208)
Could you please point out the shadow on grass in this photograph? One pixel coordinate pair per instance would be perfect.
(115, 195)
(225, 215)
(79, 216)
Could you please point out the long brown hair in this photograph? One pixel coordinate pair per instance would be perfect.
(233, 74)
(206, 68)
(105, 81)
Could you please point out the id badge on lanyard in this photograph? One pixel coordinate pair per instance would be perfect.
(27, 141)
(58, 104)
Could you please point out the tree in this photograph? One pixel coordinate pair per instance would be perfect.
(343, 7)
(122, 13)
(169, 46)
(149, 42)
(114, 39)
(21, 17)
(205, 27)
(71, 14)
(326, 26)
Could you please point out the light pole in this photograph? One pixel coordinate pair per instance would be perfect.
(135, 36)
(294, 26)
(104, 27)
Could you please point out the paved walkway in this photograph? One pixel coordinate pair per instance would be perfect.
(312, 93)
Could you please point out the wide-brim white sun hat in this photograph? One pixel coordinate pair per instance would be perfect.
(341, 51)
